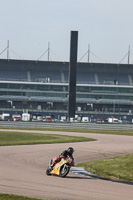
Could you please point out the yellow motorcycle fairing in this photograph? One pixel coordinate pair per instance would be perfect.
(57, 167)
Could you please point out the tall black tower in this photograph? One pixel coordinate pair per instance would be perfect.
(72, 74)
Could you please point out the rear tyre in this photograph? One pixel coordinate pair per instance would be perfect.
(64, 170)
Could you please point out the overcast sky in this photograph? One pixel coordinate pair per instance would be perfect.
(29, 25)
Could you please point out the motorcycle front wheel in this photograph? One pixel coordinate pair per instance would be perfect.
(64, 170)
(48, 172)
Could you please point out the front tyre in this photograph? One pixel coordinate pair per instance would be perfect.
(64, 170)
(48, 172)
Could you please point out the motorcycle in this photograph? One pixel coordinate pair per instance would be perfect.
(61, 168)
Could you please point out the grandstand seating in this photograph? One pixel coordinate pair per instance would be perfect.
(108, 88)
(60, 76)
(45, 76)
(13, 74)
(87, 73)
(113, 78)
(86, 77)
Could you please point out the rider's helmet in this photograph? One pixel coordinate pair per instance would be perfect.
(70, 150)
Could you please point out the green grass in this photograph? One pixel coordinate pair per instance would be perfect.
(119, 167)
(17, 138)
(112, 132)
(15, 197)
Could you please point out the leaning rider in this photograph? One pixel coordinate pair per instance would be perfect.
(64, 154)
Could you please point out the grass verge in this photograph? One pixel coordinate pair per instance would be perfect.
(15, 197)
(17, 138)
(119, 167)
(98, 131)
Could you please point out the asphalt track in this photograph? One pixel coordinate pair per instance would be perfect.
(22, 170)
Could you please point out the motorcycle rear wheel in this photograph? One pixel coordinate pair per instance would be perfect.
(64, 170)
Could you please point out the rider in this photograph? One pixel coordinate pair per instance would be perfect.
(64, 154)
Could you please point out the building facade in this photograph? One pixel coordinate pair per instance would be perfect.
(42, 86)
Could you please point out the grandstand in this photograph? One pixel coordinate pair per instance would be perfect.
(42, 86)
